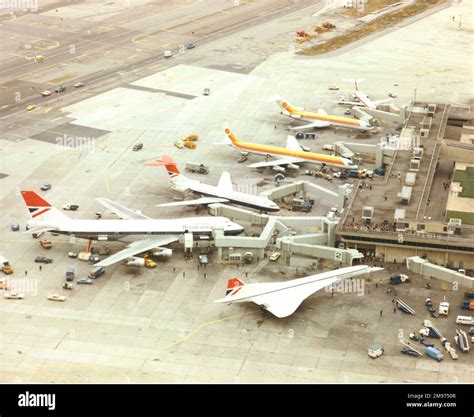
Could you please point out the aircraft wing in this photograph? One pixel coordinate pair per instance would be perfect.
(41, 229)
(197, 201)
(276, 162)
(386, 100)
(121, 211)
(317, 124)
(348, 103)
(225, 182)
(137, 247)
(292, 143)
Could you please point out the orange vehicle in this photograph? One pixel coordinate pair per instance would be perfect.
(46, 244)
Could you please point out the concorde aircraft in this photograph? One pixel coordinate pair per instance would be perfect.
(283, 298)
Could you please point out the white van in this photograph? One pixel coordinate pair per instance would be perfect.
(464, 320)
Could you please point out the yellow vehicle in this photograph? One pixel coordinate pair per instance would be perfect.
(56, 297)
(190, 145)
(179, 144)
(31, 107)
(191, 138)
(3, 284)
(149, 263)
(46, 244)
(7, 269)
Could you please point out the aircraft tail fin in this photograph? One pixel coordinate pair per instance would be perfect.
(40, 209)
(169, 164)
(234, 285)
(231, 136)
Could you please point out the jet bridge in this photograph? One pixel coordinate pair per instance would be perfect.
(424, 267)
(280, 231)
(336, 198)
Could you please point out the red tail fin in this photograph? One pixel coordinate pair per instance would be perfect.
(234, 285)
(35, 204)
(167, 162)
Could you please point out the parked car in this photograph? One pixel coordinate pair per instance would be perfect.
(72, 254)
(94, 259)
(45, 187)
(190, 46)
(434, 353)
(43, 260)
(56, 297)
(85, 280)
(79, 84)
(334, 87)
(30, 107)
(15, 227)
(46, 93)
(14, 296)
(72, 207)
(138, 146)
(275, 256)
(60, 89)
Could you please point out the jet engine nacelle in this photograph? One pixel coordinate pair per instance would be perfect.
(180, 188)
(162, 253)
(292, 166)
(278, 168)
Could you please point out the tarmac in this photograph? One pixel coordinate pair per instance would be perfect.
(160, 325)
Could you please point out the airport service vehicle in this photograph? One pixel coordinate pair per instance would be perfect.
(5, 266)
(70, 273)
(391, 94)
(431, 309)
(425, 342)
(398, 279)
(46, 93)
(167, 54)
(137, 261)
(79, 84)
(320, 119)
(467, 305)
(248, 257)
(67, 286)
(93, 259)
(434, 353)
(3, 284)
(96, 272)
(334, 88)
(45, 187)
(375, 350)
(140, 232)
(14, 296)
(360, 99)
(301, 204)
(56, 297)
(462, 340)
(39, 58)
(443, 308)
(464, 320)
(84, 256)
(223, 192)
(414, 337)
(85, 280)
(72, 207)
(206, 91)
(341, 175)
(283, 298)
(289, 157)
(46, 244)
(197, 168)
(275, 256)
(15, 227)
(203, 259)
(428, 332)
(409, 352)
(43, 260)
(60, 89)
(72, 254)
(137, 147)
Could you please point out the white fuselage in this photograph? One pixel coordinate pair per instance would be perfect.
(118, 229)
(235, 197)
(365, 100)
(253, 290)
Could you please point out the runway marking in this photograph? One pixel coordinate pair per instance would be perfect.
(132, 56)
(201, 326)
(57, 118)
